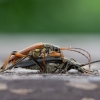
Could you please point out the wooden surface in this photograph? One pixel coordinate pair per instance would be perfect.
(30, 86)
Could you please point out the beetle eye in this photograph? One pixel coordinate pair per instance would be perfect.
(56, 49)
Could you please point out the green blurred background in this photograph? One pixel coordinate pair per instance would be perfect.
(52, 16)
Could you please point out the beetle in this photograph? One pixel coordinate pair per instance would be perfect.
(47, 58)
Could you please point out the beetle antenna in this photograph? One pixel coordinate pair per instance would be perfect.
(72, 49)
(90, 63)
(89, 57)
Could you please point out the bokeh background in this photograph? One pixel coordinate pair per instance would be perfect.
(57, 16)
(67, 23)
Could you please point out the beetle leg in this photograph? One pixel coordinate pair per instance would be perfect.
(14, 60)
(6, 62)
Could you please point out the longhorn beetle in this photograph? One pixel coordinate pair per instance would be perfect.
(47, 58)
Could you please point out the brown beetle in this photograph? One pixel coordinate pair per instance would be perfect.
(47, 58)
